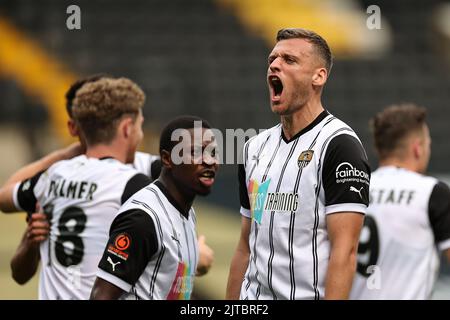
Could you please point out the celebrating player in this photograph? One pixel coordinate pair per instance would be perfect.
(81, 196)
(304, 186)
(25, 261)
(152, 250)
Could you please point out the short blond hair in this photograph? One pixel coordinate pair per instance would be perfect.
(99, 106)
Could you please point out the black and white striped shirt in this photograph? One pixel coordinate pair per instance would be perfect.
(152, 251)
(287, 187)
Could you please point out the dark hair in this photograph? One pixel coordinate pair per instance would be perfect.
(71, 93)
(393, 124)
(319, 43)
(182, 122)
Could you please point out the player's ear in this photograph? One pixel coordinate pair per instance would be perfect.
(166, 160)
(320, 77)
(417, 148)
(73, 128)
(126, 127)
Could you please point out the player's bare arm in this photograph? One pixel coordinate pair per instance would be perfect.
(343, 229)
(239, 262)
(26, 259)
(104, 290)
(6, 192)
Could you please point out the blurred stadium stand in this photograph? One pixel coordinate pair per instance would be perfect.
(197, 57)
(208, 58)
(189, 57)
(412, 71)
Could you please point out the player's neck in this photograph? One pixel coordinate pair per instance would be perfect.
(399, 163)
(183, 197)
(100, 151)
(294, 123)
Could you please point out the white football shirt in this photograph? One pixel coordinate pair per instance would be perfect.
(152, 251)
(81, 197)
(407, 222)
(288, 187)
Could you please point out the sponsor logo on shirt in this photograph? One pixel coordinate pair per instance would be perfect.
(346, 172)
(262, 200)
(281, 201)
(257, 193)
(121, 243)
(182, 284)
(305, 158)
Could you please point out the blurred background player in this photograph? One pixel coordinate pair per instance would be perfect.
(81, 196)
(408, 219)
(145, 163)
(152, 250)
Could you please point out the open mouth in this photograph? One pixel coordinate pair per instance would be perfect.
(207, 177)
(276, 85)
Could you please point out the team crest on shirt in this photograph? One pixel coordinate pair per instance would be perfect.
(305, 158)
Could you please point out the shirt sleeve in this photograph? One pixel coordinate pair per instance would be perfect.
(131, 245)
(243, 193)
(136, 183)
(346, 176)
(24, 196)
(148, 164)
(439, 214)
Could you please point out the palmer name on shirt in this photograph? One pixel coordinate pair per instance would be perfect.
(72, 189)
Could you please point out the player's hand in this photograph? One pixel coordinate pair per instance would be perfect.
(38, 228)
(206, 257)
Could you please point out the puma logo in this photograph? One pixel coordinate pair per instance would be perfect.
(113, 264)
(356, 190)
(256, 158)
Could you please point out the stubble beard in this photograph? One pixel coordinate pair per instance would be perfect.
(296, 104)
